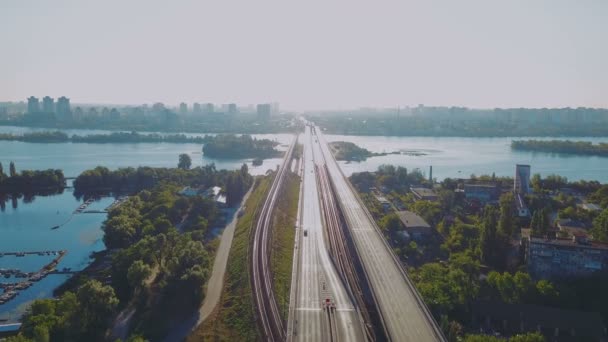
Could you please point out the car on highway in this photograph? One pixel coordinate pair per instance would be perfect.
(305, 232)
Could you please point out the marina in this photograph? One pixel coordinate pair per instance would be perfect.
(11, 290)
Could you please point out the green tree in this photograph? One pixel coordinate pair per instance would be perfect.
(600, 226)
(535, 223)
(138, 273)
(528, 337)
(41, 334)
(391, 223)
(12, 170)
(505, 222)
(489, 240)
(98, 304)
(120, 231)
(537, 183)
(184, 161)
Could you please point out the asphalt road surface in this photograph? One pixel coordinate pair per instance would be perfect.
(316, 279)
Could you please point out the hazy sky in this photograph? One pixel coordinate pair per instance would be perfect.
(308, 54)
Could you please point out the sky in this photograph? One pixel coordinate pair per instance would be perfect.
(309, 54)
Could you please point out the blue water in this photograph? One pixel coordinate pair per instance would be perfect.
(75, 158)
(461, 157)
(27, 228)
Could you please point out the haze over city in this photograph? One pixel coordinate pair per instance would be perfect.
(310, 171)
(308, 55)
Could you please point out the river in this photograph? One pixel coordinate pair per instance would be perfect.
(27, 227)
(461, 157)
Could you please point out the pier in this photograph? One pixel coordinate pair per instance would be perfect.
(11, 290)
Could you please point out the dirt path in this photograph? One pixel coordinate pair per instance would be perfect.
(215, 283)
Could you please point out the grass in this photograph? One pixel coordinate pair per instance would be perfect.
(234, 318)
(283, 235)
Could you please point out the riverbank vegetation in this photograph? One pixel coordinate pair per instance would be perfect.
(37, 137)
(240, 146)
(31, 181)
(464, 122)
(234, 317)
(472, 254)
(343, 150)
(159, 253)
(101, 180)
(561, 146)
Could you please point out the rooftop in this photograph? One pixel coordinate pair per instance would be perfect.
(412, 220)
(570, 224)
(423, 192)
(568, 242)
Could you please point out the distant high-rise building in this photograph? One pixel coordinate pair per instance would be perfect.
(158, 107)
(78, 114)
(264, 110)
(63, 110)
(48, 104)
(114, 114)
(522, 179)
(33, 105)
(208, 108)
(93, 113)
(274, 108)
(183, 108)
(232, 109)
(196, 108)
(105, 113)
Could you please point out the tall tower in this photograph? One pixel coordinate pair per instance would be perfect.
(64, 112)
(48, 104)
(33, 105)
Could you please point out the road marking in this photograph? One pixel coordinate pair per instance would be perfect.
(309, 309)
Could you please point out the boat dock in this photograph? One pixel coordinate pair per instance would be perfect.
(83, 206)
(11, 290)
(82, 209)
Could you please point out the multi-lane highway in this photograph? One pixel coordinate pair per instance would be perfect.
(316, 282)
(404, 315)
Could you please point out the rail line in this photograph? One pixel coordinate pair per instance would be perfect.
(269, 317)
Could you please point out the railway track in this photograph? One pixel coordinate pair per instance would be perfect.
(267, 310)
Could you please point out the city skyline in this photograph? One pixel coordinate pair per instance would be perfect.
(340, 55)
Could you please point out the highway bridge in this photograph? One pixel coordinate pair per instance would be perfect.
(402, 312)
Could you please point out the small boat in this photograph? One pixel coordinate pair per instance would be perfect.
(55, 227)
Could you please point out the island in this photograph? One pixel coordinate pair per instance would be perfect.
(233, 146)
(31, 181)
(561, 146)
(37, 137)
(348, 151)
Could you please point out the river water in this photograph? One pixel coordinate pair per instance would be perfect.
(461, 157)
(27, 227)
